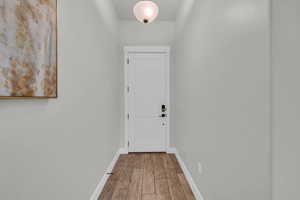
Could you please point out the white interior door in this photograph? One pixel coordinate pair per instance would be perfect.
(147, 101)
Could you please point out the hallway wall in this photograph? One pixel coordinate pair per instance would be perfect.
(60, 148)
(286, 99)
(221, 98)
(158, 33)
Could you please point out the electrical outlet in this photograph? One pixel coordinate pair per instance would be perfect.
(200, 169)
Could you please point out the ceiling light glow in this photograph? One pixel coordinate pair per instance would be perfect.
(146, 11)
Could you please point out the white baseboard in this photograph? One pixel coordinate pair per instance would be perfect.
(171, 150)
(105, 177)
(123, 151)
(189, 177)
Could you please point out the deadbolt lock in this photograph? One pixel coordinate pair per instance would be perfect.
(163, 108)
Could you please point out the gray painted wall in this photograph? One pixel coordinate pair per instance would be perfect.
(286, 99)
(221, 98)
(158, 33)
(59, 149)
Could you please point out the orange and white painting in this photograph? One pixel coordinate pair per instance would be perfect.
(28, 48)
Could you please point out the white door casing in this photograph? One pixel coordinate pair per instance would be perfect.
(146, 91)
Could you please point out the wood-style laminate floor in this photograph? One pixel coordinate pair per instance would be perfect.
(147, 176)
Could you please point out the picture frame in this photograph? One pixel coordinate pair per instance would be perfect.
(34, 76)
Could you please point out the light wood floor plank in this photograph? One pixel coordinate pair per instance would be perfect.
(163, 197)
(162, 189)
(108, 190)
(121, 172)
(138, 162)
(176, 163)
(187, 189)
(176, 190)
(168, 163)
(159, 168)
(120, 194)
(135, 187)
(122, 184)
(149, 197)
(148, 176)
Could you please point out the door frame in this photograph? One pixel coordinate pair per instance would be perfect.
(145, 49)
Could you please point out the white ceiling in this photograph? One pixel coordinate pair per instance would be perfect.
(167, 9)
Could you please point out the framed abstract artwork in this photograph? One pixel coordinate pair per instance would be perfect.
(28, 48)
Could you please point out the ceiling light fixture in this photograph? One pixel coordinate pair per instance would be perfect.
(146, 11)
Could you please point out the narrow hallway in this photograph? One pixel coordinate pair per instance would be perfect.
(147, 176)
(149, 99)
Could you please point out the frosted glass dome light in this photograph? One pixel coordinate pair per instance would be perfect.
(145, 11)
